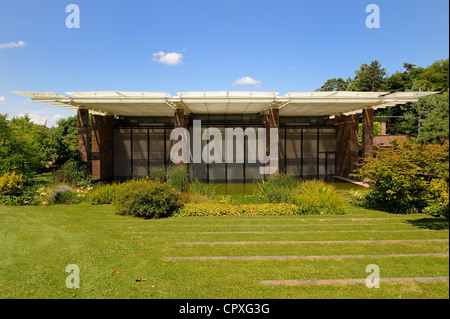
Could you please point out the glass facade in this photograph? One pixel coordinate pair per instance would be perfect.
(304, 150)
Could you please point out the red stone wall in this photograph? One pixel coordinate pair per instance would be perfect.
(386, 140)
(102, 147)
(367, 142)
(346, 143)
(83, 134)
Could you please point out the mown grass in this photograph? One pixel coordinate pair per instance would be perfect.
(125, 257)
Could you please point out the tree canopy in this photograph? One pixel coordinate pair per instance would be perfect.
(426, 120)
(29, 148)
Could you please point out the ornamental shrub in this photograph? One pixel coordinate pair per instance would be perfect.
(409, 178)
(222, 209)
(11, 183)
(316, 197)
(147, 199)
(178, 177)
(242, 199)
(62, 194)
(72, 173)
(103, 194)
(158, 174)
(277, 188)
(438, 199)
(26, 199)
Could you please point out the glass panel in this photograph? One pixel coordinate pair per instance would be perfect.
(156, 142)
(331, 164)
(122, 153)
(140, 152)
(293, 151)
(327, 140)
(322, 163)
(309, 152)
(198, 170)
(235, 171)
(281, 149)
(217, 170)
(251, 169)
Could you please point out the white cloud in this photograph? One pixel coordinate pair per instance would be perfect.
(2, 98)
(11, 45)
(42, 119)
(246, 80)
(170, 58)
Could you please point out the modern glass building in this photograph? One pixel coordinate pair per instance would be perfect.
(317, 131)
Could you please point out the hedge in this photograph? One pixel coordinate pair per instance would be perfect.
(221, 209)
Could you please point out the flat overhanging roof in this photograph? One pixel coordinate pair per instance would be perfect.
(121, 103)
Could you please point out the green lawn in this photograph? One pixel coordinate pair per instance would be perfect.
(37, 243)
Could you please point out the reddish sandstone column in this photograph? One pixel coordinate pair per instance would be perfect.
(83, 134)
(180, 118)
(347, 143)
(102, 147)
(367, 133)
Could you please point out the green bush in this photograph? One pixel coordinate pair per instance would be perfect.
(178, 177)
(62, 195)
(103, 194)
(277, 188)
(11, 184)
(438, 199)
(241, 199)
(316, 197)
(221, 209)
(158, 174)
(72, 173)
(353, 197)
(402, 177)
(26, 199)
(376, 131)
(147, 199)
(23, 146)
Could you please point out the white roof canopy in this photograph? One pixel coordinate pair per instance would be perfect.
(120, 103)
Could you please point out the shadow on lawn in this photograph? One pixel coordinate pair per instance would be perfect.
(429, 223)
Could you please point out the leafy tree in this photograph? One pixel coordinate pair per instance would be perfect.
(335, 85)
(369, 78)
(429, 116)
(64, 141)
(23, 145)
(434, 126)
(402, 81)
(434, 78)
(409, 67)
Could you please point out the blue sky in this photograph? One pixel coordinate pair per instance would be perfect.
(283, 45)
